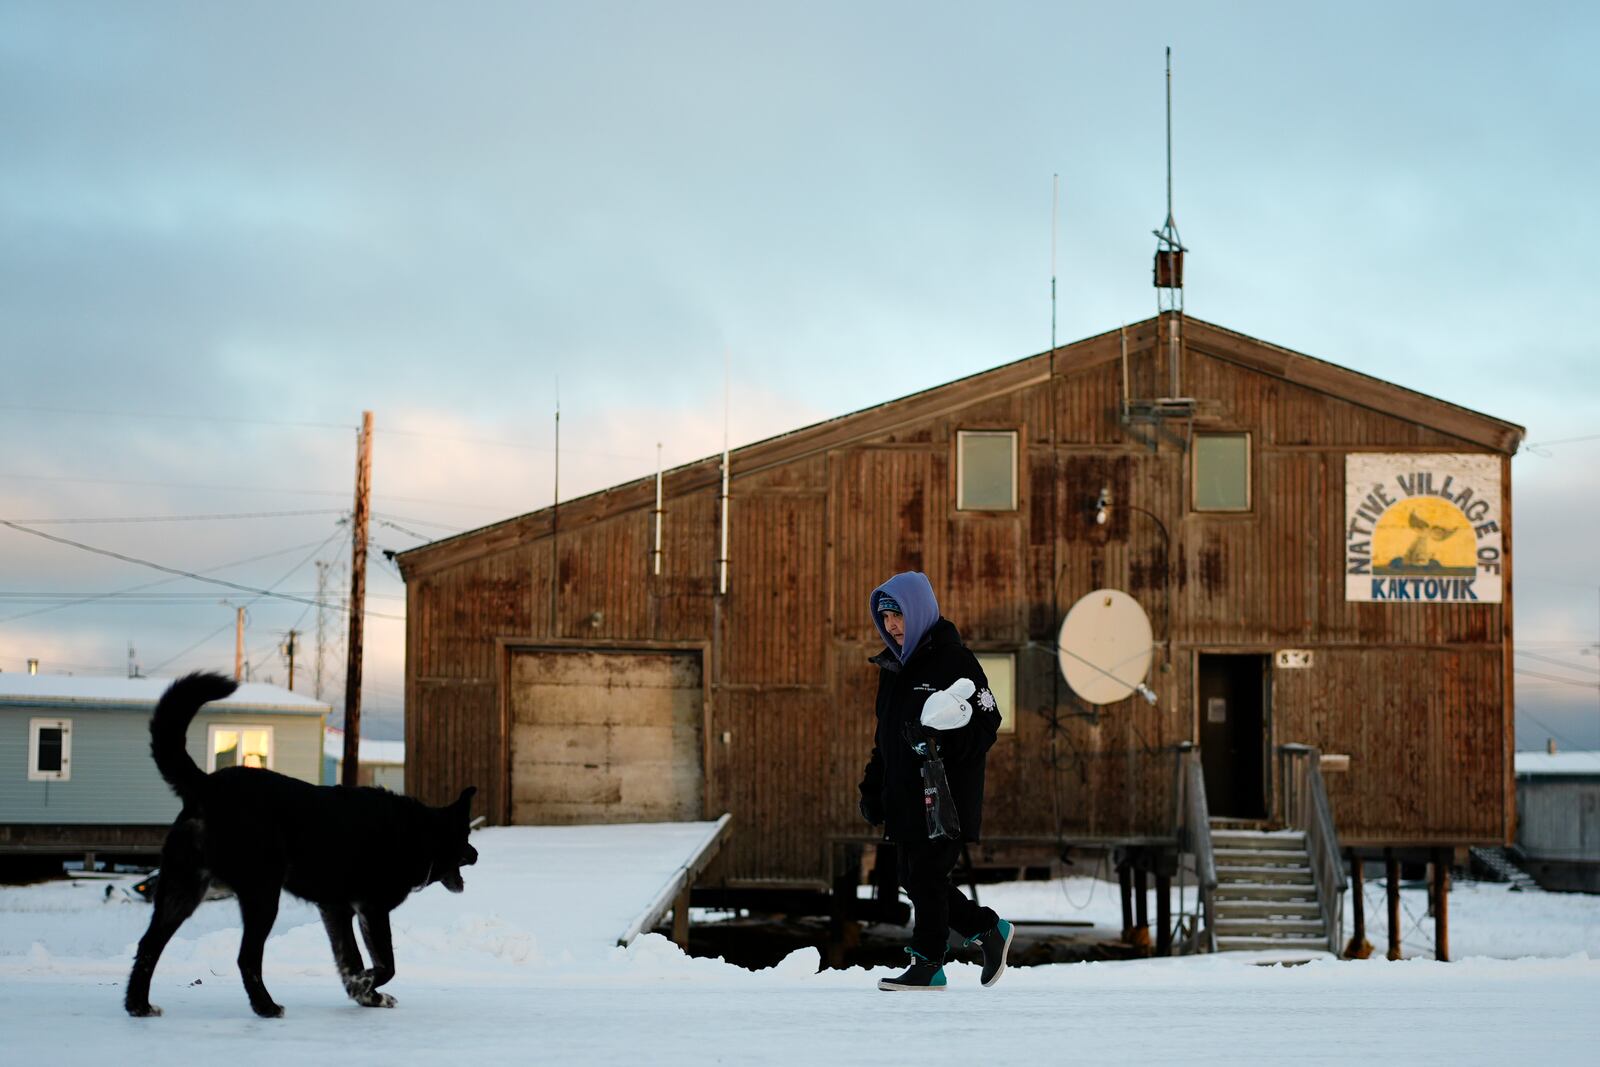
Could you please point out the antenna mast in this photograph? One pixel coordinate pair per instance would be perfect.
(1169, 264)
(1055, 195)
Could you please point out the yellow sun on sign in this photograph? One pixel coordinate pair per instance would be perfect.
(1424, 535)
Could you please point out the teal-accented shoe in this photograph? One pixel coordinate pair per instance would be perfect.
(922, 974)
(996, 944)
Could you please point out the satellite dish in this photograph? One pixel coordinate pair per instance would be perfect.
(1105, 647)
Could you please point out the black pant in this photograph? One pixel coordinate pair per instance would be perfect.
(938, 906)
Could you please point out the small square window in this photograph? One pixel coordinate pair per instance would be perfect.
(49, 750)
(1001, 669)
(986, 470)
(1222, 472)
(239, 746)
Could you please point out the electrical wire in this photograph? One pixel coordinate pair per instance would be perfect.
(151, 585)
(182, 518)
(175, 570)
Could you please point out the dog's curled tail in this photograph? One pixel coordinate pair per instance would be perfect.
(176, 709)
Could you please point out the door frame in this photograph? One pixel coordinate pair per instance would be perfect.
(1268, 718)
(506, 647)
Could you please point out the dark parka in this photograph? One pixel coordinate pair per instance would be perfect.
(891, 787)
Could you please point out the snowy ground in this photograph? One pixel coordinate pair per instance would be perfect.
(512, 968)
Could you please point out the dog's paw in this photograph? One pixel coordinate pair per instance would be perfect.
(374, 999)
(143, 1011)
(269, 1010)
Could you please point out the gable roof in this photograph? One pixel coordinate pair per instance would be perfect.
(1471, 427)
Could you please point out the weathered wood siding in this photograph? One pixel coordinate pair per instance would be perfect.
(1417, 695)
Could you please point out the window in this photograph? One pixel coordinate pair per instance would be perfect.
(986, 470)
(1001, 668)
(1222, 472)
(49, 750)
(238, 746)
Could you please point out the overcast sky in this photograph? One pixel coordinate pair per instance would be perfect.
(227, 229)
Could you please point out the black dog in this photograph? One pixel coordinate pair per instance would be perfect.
(352, 852)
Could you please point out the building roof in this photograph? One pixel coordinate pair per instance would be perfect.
(1471, 427)
(141, 694)
(1532, 764)
(371, 751)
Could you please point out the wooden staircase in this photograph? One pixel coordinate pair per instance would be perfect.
(1266, 895)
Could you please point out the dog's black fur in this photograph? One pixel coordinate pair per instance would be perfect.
(355, 853)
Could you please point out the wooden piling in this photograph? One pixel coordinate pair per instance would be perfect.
(1163, 915)
(1441, 904)
(1393, 871)
(1141, 908)
(1125, 881)
(1359, 947)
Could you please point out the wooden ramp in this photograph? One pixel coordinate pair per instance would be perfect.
(583, 889)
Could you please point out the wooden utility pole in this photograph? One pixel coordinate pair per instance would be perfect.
(289, 649)
(238, 645)
(358, 601)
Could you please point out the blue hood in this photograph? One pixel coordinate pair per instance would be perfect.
(918, 606)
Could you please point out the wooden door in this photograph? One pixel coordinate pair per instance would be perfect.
(606, 737)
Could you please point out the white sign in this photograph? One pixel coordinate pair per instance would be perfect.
(1422, 528)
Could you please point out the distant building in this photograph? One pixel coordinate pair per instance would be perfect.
(1558, 818)
(75, 767)
(382, 763)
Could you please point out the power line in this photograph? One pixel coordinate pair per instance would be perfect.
(151, 585)
(187, 416)
(178, 571)
(340, 493)
(1547, 728)
(181, 518)
(1553, 678)
(1585, 668)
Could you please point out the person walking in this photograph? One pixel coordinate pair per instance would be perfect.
(930, 687)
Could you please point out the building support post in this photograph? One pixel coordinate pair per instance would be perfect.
(1141, 908)
(1441, 904)
(1163, 915)
(1125, 882)
(1393, 872)
(680, 916)
(1359, 947)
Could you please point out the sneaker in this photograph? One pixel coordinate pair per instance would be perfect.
(922, 974)
(996, 943)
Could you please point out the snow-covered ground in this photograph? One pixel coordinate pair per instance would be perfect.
(523, 966)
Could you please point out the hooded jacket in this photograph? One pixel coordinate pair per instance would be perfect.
(931, 661)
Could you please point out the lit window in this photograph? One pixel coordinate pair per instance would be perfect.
(986, 470)
(1222, 472)
(239, 746)
(49, 750)
(1001, 669)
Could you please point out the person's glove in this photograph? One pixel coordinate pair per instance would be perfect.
(871, 809)
(948, 709)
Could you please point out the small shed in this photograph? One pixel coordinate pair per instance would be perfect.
(75, 767)
(381, 763)
(1558, 818)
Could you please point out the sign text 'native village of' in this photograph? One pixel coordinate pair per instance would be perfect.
(1422, 527)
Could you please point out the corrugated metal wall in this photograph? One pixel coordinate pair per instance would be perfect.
(1415, 694)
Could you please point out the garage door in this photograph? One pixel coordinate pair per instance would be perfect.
(605, 737)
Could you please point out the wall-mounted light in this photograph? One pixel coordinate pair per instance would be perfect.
(1102, 506)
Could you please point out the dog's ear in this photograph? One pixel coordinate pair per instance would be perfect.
(465, 799)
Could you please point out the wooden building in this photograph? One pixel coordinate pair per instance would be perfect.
(1324, 557)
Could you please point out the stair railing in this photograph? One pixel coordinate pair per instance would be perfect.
(1194, 840)
(1304, 801)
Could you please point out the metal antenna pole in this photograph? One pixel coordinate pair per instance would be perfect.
(1055, 193)
(1169, 135)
